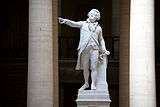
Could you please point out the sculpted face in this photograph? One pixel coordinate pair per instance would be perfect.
(93, 15)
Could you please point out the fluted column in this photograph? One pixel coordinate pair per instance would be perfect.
(142, 59)
(40, 64)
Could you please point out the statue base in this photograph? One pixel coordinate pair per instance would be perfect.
(93, 98)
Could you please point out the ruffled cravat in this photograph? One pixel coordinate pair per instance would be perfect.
(92, 26)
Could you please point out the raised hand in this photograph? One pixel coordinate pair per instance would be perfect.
(61, 20)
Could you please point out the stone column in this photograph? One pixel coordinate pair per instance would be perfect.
(142, 60)
(40, 64)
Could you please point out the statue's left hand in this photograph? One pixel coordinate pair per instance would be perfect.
(107, 52)
(101, 56)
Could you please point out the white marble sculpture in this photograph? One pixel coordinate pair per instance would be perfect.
(92, 53)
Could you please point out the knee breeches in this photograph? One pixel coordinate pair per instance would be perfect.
(90, 58)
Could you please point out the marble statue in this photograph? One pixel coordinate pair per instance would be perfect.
(91, 50)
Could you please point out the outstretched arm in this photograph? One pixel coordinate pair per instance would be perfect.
(70, 22)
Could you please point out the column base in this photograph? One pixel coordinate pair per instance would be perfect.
(93, 98)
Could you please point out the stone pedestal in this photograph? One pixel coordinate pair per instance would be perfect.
(93, 98)
(100, 96)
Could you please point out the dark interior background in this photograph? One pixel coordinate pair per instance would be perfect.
(14, 50)
(13, 53)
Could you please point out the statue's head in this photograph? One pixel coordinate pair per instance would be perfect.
(94, 15)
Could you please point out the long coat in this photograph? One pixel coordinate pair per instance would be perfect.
(85, 36)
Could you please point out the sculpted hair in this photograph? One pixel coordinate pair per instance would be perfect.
(97, 13)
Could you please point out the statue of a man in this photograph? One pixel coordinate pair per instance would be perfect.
(91, 46)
